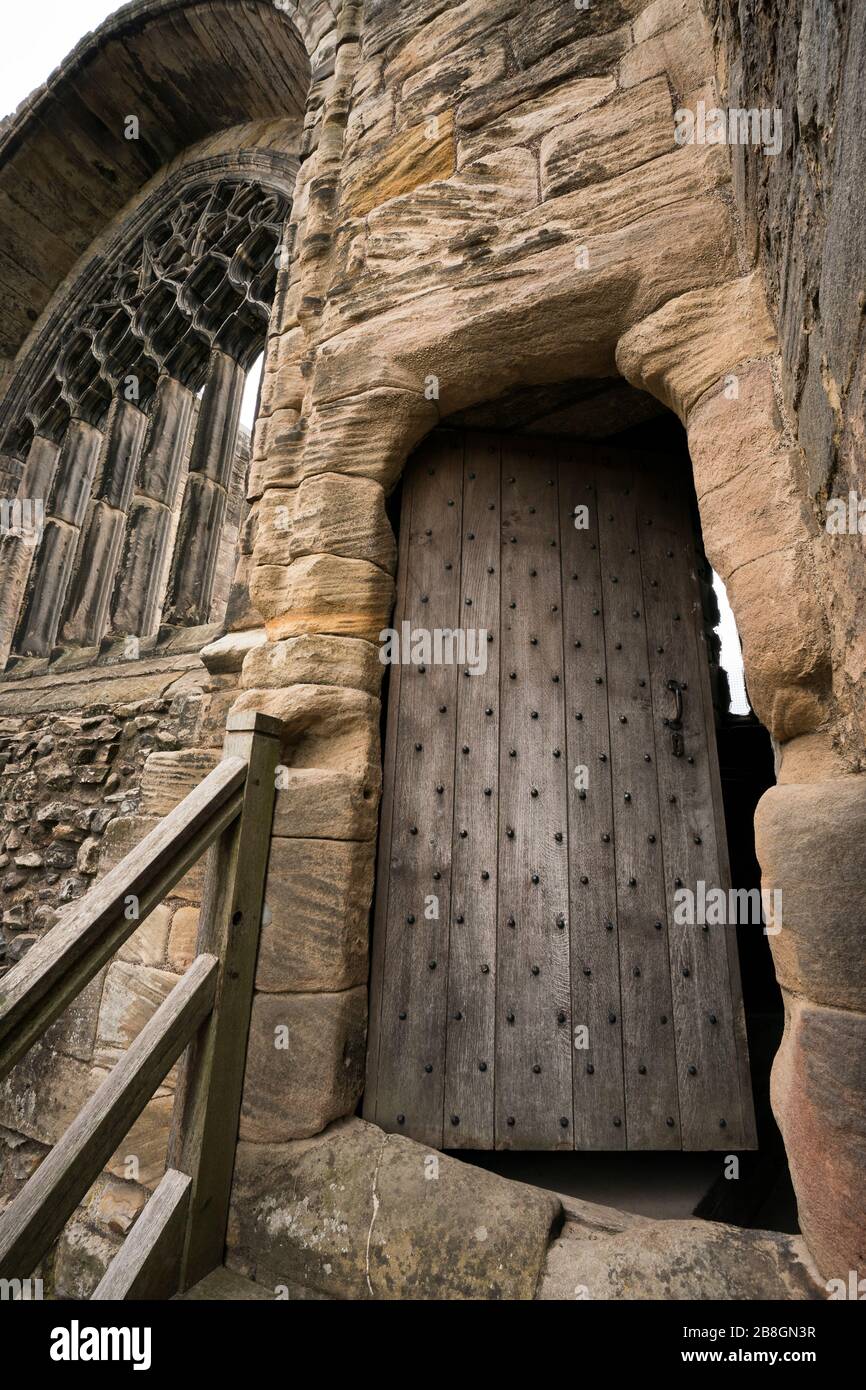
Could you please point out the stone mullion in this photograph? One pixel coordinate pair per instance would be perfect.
(101, 539)
(17, 551)
(196, 549)
(53, 569)
(141, 579)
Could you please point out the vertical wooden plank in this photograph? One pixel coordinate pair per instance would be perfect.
(469, 1083)
(706, 1029)
(551, 908)
(599, 1099)
(534, 1104)
(652, 1109)
(148, 1264)
(386, 814)
(210, 1084)
(414, 996)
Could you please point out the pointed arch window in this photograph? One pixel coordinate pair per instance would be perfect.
(126, 423)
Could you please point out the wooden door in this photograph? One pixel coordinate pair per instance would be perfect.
(530, 985)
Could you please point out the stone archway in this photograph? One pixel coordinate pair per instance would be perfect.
(481, 205)
(441, 273)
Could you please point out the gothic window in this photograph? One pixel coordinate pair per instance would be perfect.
(125, 422)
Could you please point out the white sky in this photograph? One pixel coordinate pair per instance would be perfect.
(35, 37)
(251, 393)
(732, 652)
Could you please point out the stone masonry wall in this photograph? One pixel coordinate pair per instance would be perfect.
(803, 215)
(502, 204)
(93, 758)
(483, 204)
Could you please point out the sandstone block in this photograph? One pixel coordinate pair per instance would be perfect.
(168, 777)
(784, 646)
(182, 938)
(325, 726)
(326, 594)
(678, 1260)
(305, 1063)
(451, 79)
(125, 832)
(227, 653)
(327, 803)
(626, 131)
(412, 157)
(315, 660)
(523, 123)
(682, 349)
(83, 1256)
(372, 434)
(140, 1157)
(817, 1090)
(282, 380)
(811, 844)
(117, 1205)
(359, 1214)
(44, 1093)
(436, 36)
(147, 945)
(341, 515)
(131, 996)
(275, 515)
(449, 223)
(730, 428)
(684, 53)
(315, 923)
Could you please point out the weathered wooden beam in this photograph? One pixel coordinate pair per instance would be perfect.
(37, 1215)
(148, 1265)
(54, 971)
(210, 1085)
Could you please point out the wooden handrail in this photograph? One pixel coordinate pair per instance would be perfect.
(181, 1234)
(146, 1265)
(37, 1215)
(56, 969)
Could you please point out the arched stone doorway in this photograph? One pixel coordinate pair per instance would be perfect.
(454, 277)
(517, 219)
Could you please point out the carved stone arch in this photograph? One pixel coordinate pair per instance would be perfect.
(184, 69)
(173, 307)
(137, 320)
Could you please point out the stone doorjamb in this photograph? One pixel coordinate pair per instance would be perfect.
(391, 324)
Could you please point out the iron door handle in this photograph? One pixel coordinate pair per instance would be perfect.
(676, 724)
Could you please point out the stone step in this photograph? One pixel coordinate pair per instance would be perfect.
(224, 1286)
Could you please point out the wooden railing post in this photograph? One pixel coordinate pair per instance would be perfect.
(207, 1108)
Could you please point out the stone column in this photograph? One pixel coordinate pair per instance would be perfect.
(204, 505)
(17, 551)
(138, 594)
(101, 539)
(55, 560)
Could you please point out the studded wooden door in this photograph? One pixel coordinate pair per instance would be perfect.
(550, 782)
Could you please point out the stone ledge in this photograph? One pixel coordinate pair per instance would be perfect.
(689, 1260)
(357, 1214)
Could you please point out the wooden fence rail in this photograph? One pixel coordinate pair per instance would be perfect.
(180, 1236)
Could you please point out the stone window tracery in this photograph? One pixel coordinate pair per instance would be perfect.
(129, 426)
